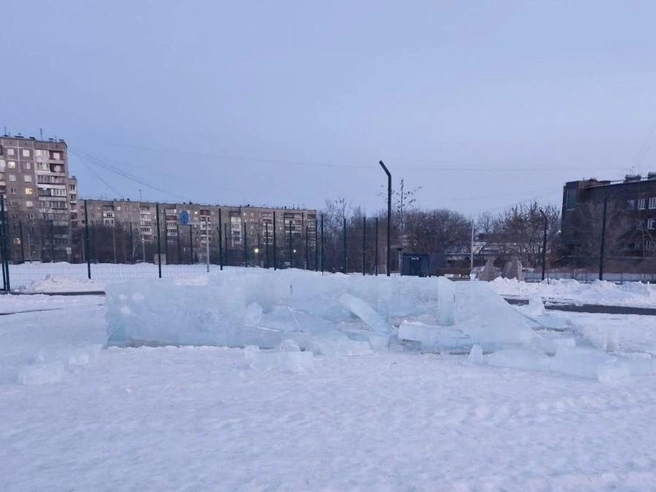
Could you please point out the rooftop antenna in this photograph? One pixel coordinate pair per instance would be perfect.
(40, 133)
(5, 133)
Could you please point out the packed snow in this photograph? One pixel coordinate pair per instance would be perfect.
(557, 401)
(634, 294)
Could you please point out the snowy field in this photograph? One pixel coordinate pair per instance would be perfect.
(77, 416)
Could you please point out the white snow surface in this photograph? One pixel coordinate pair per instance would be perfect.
(57, 284)
(635, 294)
(76, 416)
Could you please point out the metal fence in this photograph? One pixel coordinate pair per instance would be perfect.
(165, 246)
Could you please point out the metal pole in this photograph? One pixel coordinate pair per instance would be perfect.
(291, 258)
(207, 244)
(220, 241)
(52, 240)
(322, 246)
(114, 242)
(266, 244)
(275, 245)
(22, 242)
(603, 241)
(376, 248)
(344, 259)
(245, 245)
(191, 244)
(131, 245)
(225, 238)
(389, 216)
(166, 240)
(86, 238)
(316, 245)
(177, 235)
(364, 244)
(159, 243)
(544, 243)
(4, 249)
(307, 248)
(471, 249)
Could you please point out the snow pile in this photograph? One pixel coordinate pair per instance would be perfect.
(57, 284)
(634, 294)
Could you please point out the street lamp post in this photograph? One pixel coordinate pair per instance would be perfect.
(389, 215)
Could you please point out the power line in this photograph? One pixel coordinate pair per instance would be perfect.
(436, 166)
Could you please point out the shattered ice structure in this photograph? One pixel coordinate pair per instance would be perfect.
(285, 318)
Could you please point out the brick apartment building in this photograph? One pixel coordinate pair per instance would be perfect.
(633, 206)
(40, 197)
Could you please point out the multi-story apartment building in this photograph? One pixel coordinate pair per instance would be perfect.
(40, 197)
(631, 214)
(129, 231)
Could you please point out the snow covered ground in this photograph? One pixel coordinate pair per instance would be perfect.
(635, 294)
(76, 416)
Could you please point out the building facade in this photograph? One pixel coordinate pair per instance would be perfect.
(630, 215)
(40, 197)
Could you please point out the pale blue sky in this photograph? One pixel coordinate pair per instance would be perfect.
(482, 103)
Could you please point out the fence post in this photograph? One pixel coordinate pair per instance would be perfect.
(344, 259)
(266, 245)
(316, 245)
(245, 245)
(376, 248)
(225, 234)
(603, 240)
(166, 240)
(52, 240)
(291, 247)
(307, 247)
(191, 244)
(364, 244)
(208, 234)
(322, 246)
(220, 241)
(131, 245)
(159, 243)
(22, 242)
(275, 245)
(4, 249)
(177, 235)
(86, 239)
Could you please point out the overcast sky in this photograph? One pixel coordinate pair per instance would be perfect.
(481, 103)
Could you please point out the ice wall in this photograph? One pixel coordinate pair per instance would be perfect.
(236, 308)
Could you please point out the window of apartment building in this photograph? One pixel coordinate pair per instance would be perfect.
(30, 216)
(11, 164)
(13, 191)
(631, 204)
(58, 192)
(642, 204)
(13, 203)
(27, 166)
(2, 164)
(12, 177)
(28, 178)
(29, 191)
(651, 224)
(29, 203)
(26, 153)
(56, 155)
(11, 152)
(41, 166)
(652, 203)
